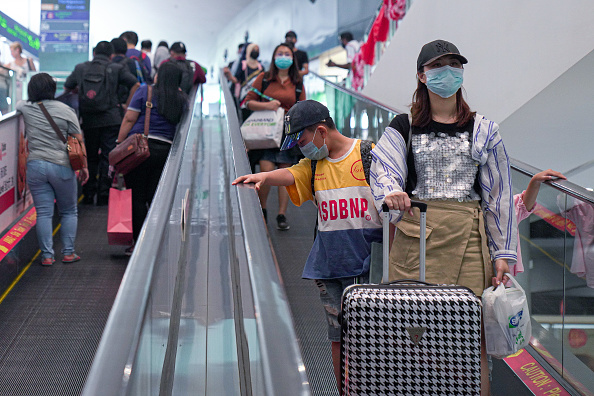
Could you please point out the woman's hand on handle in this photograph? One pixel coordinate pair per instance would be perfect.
(399, 201)
(501, 268)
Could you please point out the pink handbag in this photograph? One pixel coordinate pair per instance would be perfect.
(119, 217)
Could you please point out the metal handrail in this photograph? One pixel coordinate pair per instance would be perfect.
(115, 356)
(564, 186)
(357, 95)
(284, 371)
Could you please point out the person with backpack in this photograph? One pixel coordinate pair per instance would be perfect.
(142, 61)
(97, 82)
(455, 161)
(347, 220)
(280, 86)
(192, 72)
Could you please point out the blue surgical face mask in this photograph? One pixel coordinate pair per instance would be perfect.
(283, 62)
(313, 152)
(444, 81)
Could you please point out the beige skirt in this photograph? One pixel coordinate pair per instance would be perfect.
(457, 251)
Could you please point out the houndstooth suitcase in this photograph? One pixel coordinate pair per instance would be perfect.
(410, 337)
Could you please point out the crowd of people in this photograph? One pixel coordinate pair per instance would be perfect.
(442, 153)
(114, 91)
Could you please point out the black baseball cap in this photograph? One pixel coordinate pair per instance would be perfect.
(437, 49)
(302, 115)
(178, 46)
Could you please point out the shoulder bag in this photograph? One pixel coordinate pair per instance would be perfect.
(76, 155)
(134, 150)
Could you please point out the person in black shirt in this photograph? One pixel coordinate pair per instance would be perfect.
(301, 56)
(101, 127)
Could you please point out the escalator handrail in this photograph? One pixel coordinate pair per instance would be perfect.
(357, 95)
(564, 186)
(284, 371)
(115, 356)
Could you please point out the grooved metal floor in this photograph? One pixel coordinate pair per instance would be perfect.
(52, 320)
(291, 248)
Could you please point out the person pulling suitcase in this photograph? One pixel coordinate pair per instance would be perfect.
(458, 165)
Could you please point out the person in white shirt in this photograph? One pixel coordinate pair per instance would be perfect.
(351, 46)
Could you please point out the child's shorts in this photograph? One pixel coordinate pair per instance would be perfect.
(331, 296)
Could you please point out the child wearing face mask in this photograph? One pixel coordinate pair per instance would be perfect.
(280, 86)
(454, 160)
(347, 221)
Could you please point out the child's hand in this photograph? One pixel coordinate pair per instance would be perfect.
(257, 178)
(548, 175)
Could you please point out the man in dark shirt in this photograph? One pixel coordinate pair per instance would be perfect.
(301, 56)
(193, 73)
(101, 127)
(131, 39)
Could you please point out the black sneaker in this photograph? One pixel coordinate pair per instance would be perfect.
(281, 223)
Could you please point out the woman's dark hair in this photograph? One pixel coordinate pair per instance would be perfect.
(421, 107)
(272, 73)
(171, 102)
(41, 87)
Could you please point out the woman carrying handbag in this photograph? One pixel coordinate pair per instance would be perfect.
(168, 106)
(50, 175)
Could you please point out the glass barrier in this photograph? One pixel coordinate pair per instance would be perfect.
(355, 115)
(558, 257)
(556, 241)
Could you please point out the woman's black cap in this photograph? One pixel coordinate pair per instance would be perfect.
(436, 49)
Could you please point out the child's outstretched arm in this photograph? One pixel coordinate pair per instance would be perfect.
(279, 177)
(534, 186)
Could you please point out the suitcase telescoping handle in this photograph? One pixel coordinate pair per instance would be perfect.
(386, 237)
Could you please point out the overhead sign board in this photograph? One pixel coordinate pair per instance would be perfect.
(14, 31)
(64, 34)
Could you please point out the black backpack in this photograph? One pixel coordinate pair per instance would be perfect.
(95, 94)
(187, 68)
(140, 71)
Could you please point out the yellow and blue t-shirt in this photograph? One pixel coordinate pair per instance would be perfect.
(347, 219)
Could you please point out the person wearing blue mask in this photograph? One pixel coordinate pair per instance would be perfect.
(347, 220)
(280, 86)
(454, 160)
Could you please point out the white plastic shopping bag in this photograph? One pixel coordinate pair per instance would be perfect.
(263, 129)
(507, 320)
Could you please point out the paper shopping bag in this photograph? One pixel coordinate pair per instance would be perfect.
(119, 217)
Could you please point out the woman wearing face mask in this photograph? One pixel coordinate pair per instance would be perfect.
(280, 86)
(454, 160)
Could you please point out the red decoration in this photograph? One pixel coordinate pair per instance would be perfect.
(396, 9)
(577, 338)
